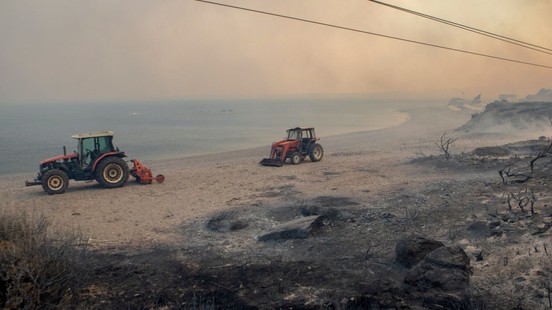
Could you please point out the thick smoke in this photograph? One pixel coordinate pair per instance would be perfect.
(64, 50)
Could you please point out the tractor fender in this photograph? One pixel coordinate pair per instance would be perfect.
(310, 147)
(117, 154)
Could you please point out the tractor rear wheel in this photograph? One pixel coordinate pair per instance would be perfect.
(316, 153)
(295, 158)
(112, 172)
(55, 181)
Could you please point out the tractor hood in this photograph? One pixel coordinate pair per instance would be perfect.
(285, 142)
(61, 157)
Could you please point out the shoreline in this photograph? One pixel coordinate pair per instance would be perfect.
(415, 117)
(181, 131)
(415, 127)
(406, 117)
(360, 141)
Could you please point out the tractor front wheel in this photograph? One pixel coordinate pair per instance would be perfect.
(316, 153)
(55, 181)
(295, 158)
(112, 172)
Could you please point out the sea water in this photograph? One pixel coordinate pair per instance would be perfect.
(30, 133)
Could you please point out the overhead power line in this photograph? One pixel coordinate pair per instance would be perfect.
(375, 34)
(471, 29)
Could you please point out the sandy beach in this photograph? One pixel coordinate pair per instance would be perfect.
(199, 186)
(370, 179)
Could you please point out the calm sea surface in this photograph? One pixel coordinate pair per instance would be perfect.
(30, 133)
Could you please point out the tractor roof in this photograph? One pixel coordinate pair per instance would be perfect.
(93, 135)
(301, 128)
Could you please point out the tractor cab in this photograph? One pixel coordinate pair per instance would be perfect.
(305, 136)
(301, 134)
(294, 134)
(93, 145)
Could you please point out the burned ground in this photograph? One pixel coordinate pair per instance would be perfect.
(190, 243)
(349, 262)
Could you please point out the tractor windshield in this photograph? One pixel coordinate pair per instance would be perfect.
(87, 145)
(99, 144)
(294, 134)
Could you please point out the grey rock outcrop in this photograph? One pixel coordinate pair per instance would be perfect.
(441, 277)
(411, 250)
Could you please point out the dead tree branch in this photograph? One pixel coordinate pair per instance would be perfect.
(509, 176)
(524, 198)
(444, 143)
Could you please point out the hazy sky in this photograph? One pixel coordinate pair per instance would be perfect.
(67, 50)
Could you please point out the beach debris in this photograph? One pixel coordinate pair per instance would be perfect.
(299, 228)
(299, 143)
(95, 159)
(143, 174)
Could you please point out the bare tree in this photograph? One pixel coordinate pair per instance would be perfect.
(444, 143)
(509, 176)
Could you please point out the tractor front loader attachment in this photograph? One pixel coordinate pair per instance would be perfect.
(275, 162)
(276, 157)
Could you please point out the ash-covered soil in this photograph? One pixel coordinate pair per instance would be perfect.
(474, 230)
(349, 260)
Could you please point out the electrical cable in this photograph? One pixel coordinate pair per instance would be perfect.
(375, 34)
(471, 29)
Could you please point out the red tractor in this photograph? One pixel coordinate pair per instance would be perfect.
(96, 159)
(300, 143)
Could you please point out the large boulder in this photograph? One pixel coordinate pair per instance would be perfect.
(411, 250)
(440, 278)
